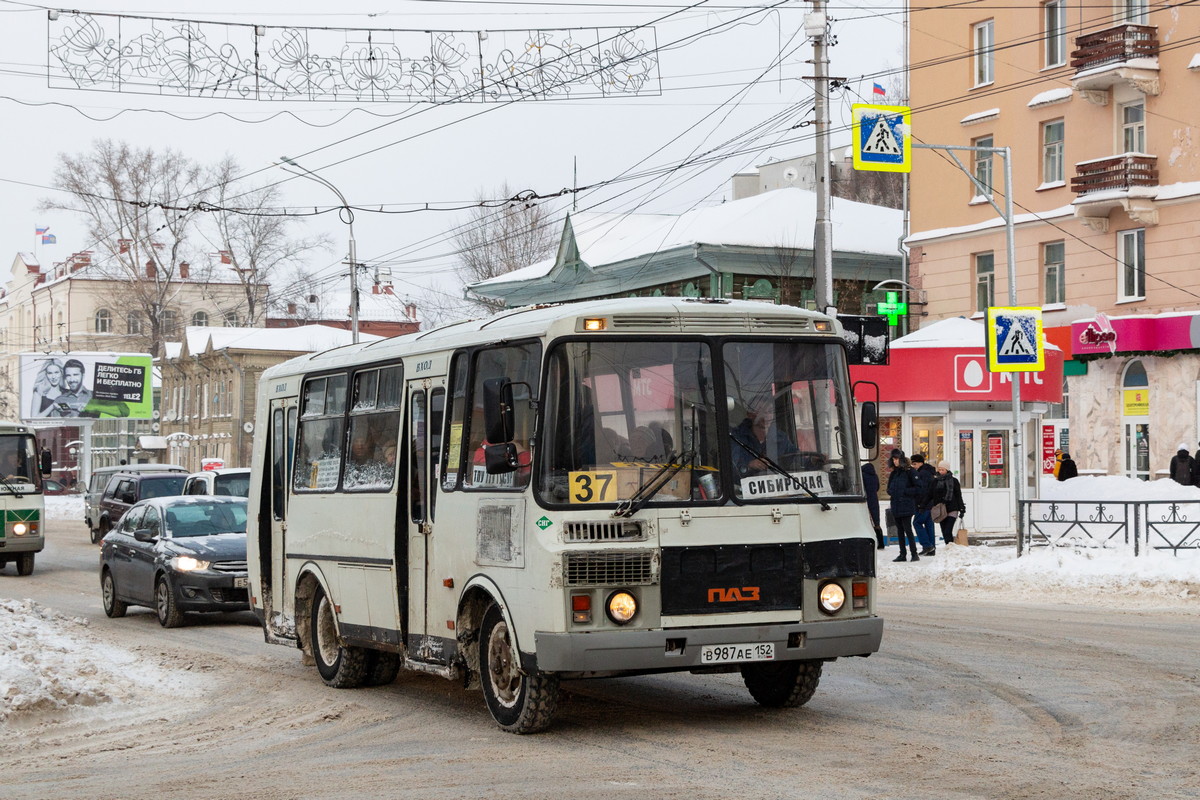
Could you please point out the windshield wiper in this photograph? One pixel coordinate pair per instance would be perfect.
(11, 488)
(675, 462)
(763, 457)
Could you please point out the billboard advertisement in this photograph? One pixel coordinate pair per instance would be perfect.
(87, 385)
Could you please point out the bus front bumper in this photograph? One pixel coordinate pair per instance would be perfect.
(679, 649)
(11, 545)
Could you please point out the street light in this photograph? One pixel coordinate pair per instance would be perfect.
(347, 216)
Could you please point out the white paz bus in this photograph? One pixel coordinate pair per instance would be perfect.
(598, 489)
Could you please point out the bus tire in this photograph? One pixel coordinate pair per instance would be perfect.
(782, 684)
(519, 703)
(25, 564)
(382, 668)
(113, 607)
(340, 666)
(169, 615)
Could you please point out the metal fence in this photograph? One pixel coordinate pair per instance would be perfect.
(1147, 526)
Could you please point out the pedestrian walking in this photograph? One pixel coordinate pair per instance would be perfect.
(1183, 466)
(871, 487)
(1196, 471)
(1067, 469)
(947, 491)
(922, 521)
(902, 489)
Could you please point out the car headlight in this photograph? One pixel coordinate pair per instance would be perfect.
(621, 607)
(188, 563)
(831, 598)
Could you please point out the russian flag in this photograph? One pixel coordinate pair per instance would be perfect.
(879, 90)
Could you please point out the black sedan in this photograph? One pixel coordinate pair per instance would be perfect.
(176, 554)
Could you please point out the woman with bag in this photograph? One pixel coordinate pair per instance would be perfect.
(947, 500)
(902, 489)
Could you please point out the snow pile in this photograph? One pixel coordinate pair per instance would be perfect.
(1111, 576)
(49, 661)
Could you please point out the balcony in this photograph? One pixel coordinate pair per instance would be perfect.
(1128, 181)
(1126, 53)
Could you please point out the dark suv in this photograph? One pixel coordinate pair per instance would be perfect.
(126, 488)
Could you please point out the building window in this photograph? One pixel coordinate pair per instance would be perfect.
(1052, 151)
(134, 323)
(169, 322)
(1054, 23)
(985, 281)
(103, 321)
(983, 167)
(1131, 249)
(229, 319)
(200, 319)
(983, 45)
(1133, 127)
(1052, 269)
(1137, 12)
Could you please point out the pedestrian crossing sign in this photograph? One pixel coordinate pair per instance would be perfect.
(1015, 342)
(882, 141)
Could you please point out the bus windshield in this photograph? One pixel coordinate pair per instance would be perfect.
(624, 416)
(790, 427)
(19, 460)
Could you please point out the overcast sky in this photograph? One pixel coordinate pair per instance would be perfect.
(730, 76)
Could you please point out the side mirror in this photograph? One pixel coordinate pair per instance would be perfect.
(47, 463)
(869, 426)
(500, 458)
(144, 535)
(498, 420)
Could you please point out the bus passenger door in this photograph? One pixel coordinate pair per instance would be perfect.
(277, 594)
(426, 404)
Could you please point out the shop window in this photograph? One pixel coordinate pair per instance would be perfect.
(927, 439)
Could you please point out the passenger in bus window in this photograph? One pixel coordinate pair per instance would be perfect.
(11, 467)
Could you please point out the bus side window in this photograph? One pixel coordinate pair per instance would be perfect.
(321, 435)
(452, 464)
(418, 448)
(437, 414)
(278, 464)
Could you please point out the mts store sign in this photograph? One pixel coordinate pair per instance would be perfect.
(949, 374)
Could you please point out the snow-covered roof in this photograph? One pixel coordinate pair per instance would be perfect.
(302, 339)
(956, 332)
(779, 218)
(995, 222)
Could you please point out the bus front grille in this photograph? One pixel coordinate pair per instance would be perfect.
(603, 531)
(639, 568)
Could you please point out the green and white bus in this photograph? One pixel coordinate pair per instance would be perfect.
(555, 493)
(22, 537)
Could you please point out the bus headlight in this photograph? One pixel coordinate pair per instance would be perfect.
(831, 598)
(621, 607)
(20, 529)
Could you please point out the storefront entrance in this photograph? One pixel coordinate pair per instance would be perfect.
(986, 478)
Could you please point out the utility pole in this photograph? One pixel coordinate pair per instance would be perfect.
(816, 25)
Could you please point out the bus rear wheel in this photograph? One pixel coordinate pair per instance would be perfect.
(25, 564)
(519, 702)
(340, 666)
(782, 684)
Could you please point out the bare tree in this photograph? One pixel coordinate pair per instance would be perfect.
(301, 296)
(254, 241)
(496, 241)
(131, 199)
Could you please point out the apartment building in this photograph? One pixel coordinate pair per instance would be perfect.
(1098, 104)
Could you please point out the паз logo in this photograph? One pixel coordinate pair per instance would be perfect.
(732, 594)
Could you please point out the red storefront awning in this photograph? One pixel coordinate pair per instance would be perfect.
(947, 361)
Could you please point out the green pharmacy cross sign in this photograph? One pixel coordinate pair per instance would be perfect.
(892, 308)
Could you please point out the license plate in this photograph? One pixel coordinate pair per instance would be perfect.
(241, 583)
(726, 653)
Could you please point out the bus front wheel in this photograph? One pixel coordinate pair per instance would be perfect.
(782, 684)
(519, 703)
(25, 564)
(340, 666)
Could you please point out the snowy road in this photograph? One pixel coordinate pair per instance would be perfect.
(969, 698)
